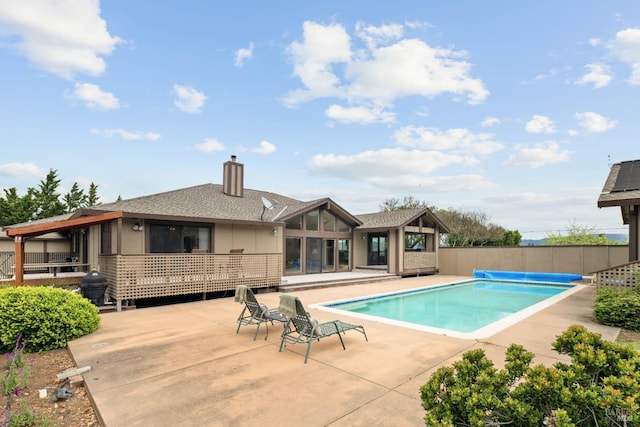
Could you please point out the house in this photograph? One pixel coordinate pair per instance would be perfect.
(622, 188)
(211, 237)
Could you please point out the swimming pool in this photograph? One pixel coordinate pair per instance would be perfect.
(471, 309)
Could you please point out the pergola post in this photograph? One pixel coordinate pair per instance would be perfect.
(19, 261)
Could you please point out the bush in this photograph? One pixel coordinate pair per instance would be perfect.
(618, 308)
(601, 386)
(47, 318)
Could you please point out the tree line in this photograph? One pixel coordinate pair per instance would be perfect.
(44, 201)
(473, 228)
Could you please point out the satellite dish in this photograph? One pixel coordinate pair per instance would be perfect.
(266, 203)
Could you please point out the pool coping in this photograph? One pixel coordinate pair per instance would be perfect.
(481, 333)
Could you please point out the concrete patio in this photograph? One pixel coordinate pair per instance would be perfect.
(185, 365)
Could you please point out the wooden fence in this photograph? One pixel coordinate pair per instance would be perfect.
(583, 260)
(133, 277)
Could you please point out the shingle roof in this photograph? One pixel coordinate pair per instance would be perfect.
(207, 201)
(622, 187)
(397, 218)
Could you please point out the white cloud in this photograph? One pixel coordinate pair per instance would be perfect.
(626, 46)
(241, 55)
(64, 37)
(209, 145)
(593, 122)
(94, 97)
(265, 147)
(126, 135)
(400, 169)
(373, 35)
(489, 122)
(542, 154)
(599, 75)
(188, 99)
(22, 170)
(455, 140)
(328, 66)
(359, 114)
(540, 124)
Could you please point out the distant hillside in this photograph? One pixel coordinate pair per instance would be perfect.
(623, 238)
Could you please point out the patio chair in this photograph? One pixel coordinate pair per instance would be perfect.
(255, 313)
(302, 328)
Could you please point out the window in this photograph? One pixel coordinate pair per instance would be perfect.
(295, 223)
(328, 221)
(344, 255)
(312, 222)
(343, 227)
(419, 242)
(293, 255)
(105, 239)
(169, 238)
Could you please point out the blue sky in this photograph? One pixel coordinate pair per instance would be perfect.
(509, 108)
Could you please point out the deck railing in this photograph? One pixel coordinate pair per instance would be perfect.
(7, 261)
(625, 276)
(133, 277)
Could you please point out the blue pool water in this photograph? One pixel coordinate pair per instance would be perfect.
(461, 307)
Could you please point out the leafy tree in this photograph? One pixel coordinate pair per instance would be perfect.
(92, 197)
(579, 235)
(408, 202)
(75, 198)
(47, 199)
(44, 202)
(15, 209)
(467, 228)
(472, 228)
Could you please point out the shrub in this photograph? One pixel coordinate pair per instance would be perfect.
(618, 308)
(47, 318)
(601, 386)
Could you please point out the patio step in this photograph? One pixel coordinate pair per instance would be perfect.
(318, 284)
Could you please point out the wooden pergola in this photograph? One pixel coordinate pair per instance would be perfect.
(21, 233)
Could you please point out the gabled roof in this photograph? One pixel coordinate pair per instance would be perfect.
(397, 218)
(206, 203)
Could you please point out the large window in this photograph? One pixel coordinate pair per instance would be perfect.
(328, 221)
(293, 255)
(344, 254)
(312, 220)
(169, 238)
(419, 242)
(317, 241)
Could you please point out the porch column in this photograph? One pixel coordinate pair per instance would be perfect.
(19, 261)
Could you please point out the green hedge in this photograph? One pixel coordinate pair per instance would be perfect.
(600, 387)
(618, 308)
(47, 318)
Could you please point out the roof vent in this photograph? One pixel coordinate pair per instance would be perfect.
(233, 178)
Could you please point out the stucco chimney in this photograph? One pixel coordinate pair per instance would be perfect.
(233, 178)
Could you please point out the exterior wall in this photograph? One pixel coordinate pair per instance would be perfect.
(93, 246)
(394, 254)
(584, 260)
(36, 245)
(253, 239)
(133, 242)
(359, 249)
